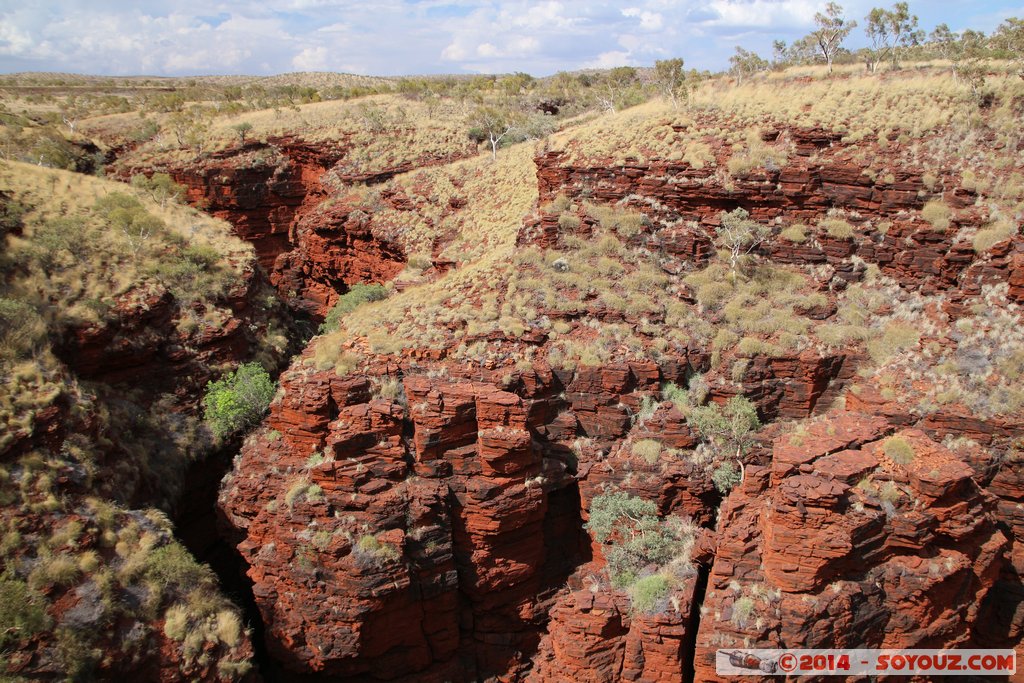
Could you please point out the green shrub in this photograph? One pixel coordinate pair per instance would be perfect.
(993, 234)
(195, 275)
(650, 594)
(11, 216)
(795, 233)
(390, 389)
(679, 396)
(742, 610)
(238, 400)
(896, 337)
(837, 228)
(639, 537)
(568, 221)
(22, 330)
(160, 186)
(172, 567)
(625, 222)
(126, 214)
(358, 295)
(559, 204)
(730, 428)
(725, 477)
(22, 614)
(369, 551)
(301, 489)
(57, 570)
(888, 492)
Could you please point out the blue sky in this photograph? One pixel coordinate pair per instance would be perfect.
(392, 37)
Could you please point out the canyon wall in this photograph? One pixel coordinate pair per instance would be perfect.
(437, 531)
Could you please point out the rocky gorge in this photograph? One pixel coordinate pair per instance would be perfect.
(438, 532)
(418, 504)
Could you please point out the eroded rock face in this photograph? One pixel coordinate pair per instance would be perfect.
(691, 200)
(594, 637)
(279, 195)
(437, 533)
(334, 246)
(145, 339)
(467, 496)
(458, 504)
(839, 546)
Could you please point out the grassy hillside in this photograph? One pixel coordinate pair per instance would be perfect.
(608, 294)
(85, 259)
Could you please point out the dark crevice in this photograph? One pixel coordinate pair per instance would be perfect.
(689, 644)
(196, 530)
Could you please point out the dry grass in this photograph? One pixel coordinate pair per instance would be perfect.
(481, 238)
(381, 132)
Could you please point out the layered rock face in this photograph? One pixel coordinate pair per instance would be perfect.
(281, 196)
(435, 529)
(806, 188)
(452, 509)
(146, 335)
(410, 537)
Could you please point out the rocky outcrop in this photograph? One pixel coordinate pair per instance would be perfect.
(594, 636)
(438, 516)
(258, 188)
(452, 506)
(145, 333)
(335, 246)
(839, 545)
(285, 196)
(684, 205)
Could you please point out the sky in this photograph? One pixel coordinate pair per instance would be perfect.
(402, 37)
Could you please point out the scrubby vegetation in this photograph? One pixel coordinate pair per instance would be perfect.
(646, 555)
(357, 295)
(499, 284)
(238, 400)
(82, 254)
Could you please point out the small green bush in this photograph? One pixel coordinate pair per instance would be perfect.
(568, 221)
(837, 228)
(725, 477)
(679, 396)
(22, 614)
(22, 330)
(896, 337)
(238, 400)
(11, 216)
(796, 233)
(993, 234)
(730, 428)
(369, 551)
(638, 537)
(649, 594)
(127, 215)
(160, 186)
(742, 610)
(358, 295)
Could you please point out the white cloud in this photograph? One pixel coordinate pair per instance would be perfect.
(486, 50)
(608, 60)
(398, 37)
(649, 21)
(311, 59)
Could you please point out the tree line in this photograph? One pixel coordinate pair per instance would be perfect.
(893, 35)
